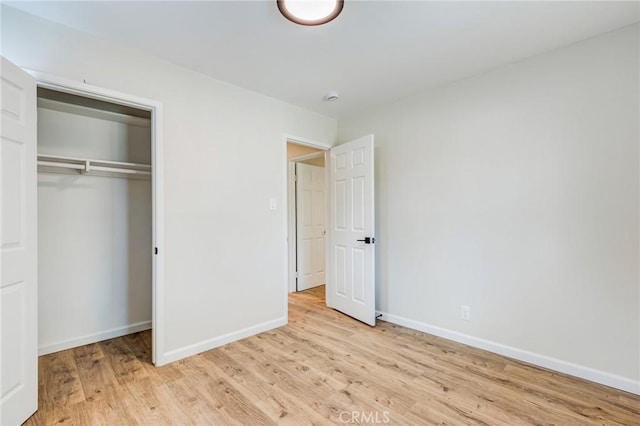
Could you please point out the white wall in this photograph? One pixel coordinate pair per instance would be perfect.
(223, 160)
(516, 192)
(94, 234)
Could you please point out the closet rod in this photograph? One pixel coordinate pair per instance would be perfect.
(88, 166)
(62, 158)
(117, 170)
(61, 165)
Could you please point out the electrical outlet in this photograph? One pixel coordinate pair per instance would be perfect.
(465, 312)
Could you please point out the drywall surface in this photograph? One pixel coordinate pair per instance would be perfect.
(224, 248)
(94, 233)
(516, 192)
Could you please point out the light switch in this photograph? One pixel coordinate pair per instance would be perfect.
(273, 204)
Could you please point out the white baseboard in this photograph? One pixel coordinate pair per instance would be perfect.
(93, 338)
(587, 373)
(206, 345)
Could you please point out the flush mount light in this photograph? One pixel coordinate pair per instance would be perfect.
(310, 12)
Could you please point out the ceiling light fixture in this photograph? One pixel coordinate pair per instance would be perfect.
(310, 12)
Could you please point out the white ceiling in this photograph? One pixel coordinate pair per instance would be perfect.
(372, 54)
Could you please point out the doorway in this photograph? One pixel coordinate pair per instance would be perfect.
(307, 216)
(349, 253)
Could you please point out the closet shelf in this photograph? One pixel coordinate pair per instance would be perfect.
(84, 165)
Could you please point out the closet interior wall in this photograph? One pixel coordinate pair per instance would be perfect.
(94, 230)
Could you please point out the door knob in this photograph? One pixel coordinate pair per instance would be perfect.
(368, 240)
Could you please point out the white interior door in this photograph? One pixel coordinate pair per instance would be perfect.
(351, 287)
(310, 223)
(18, 239)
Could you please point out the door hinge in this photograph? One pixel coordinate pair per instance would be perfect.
(295, 178)
(156, 250)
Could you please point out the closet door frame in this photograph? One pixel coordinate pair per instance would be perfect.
(157, 188)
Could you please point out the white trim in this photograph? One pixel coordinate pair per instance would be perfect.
(328, 267)
(206, 345)
(74, 87)
(93, 338)
(587, 373)
(291, 225)
(285, 224)
(304, 141)
(157, 181)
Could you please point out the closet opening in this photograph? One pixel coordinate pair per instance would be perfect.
(98, 187)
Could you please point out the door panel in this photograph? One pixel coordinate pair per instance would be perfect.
(18, 251)
(310, 189)
(351, 285)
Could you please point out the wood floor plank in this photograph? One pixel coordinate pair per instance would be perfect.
(228, 401)
(109, 409)
(278, 406)
(60, 370)
(339, 382)
(95, 372)
(53, 414)
(350, 373)
(308, 388)
(189, 399)
(87, 353)
(400, 380)
(322, 368)
(125, 365)
(140, 346)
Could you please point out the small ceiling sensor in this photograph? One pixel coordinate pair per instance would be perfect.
(331, 96)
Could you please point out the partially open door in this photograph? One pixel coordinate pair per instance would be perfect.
(351, 282)
(18, 239)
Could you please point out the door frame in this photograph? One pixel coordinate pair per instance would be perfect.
(290, 217)
(157, 188)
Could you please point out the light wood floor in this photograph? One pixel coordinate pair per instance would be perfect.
(322, 368)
